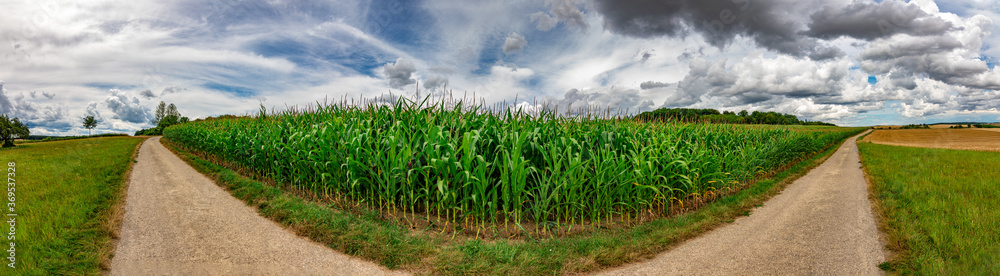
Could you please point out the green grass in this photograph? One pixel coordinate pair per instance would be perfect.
(395, 246)
(66, 192)
(940, 208)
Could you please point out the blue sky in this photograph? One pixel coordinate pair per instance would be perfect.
(842, 61)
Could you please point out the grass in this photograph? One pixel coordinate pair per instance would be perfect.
(66, 196)
(939, 208)
(394, 246)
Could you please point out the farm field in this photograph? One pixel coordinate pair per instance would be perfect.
(480, 169)
(543, 195)
(66, 196)
(983, 139)
(938, 208)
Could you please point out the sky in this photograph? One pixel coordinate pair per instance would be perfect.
(848, 62)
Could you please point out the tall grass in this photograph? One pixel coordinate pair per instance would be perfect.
(497, 166)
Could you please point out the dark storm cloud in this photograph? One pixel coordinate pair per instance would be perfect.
(400, 73)
(767, 22)
(869, 21)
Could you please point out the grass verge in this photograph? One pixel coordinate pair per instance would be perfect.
(66, 196)
(396, 247)
(937, 207)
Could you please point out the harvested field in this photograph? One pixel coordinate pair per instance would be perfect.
(962, 139)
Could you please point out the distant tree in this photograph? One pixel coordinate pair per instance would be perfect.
(184, 120)
(11, 129)
(172, 111)
(743, 113)
(90, 123)
(161, 111)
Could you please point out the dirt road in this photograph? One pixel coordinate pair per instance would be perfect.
(178, 222)
(821, 224)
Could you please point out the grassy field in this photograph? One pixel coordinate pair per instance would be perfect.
(66, 194)
(502, 172)
(938, 207)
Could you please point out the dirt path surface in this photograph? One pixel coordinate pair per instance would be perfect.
(821, 224)
(178, 222)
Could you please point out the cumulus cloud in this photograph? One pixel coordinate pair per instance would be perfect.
(6, 106)
(515, 43)
(172, 89)
(560, 11)
(49, 95)
(544, 21)
(400, 73)
(126, 108)
(653, 84)
(859, 20)
(147, 94)
(600, 100)
(435, 82)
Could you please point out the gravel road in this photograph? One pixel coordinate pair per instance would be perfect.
(178, 222)
(821, 224)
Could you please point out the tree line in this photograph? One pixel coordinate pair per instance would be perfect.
(708, 115)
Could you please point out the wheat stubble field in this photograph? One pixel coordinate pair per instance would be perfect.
(962, 139)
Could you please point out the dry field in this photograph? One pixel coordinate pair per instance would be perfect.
(963, 139)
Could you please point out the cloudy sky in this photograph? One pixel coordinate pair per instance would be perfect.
(850, 62)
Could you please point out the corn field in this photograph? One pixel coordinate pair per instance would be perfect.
(487, 167)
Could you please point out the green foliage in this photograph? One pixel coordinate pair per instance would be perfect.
(727, 117)
(911, 126)
(89, 123)
(164, 117)
(465, 163)
(10, 129)
(986, 126)
(65, 192)
(939, 208)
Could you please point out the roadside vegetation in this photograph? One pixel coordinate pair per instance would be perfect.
(938, 208)
(67, 193)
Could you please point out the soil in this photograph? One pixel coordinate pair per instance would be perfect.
(982, 139)
(820, 224)
(178, 222)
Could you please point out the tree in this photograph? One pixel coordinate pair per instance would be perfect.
(89, 122)
(172, 111)
(161, 111)
(11, 129)
(743, 113)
